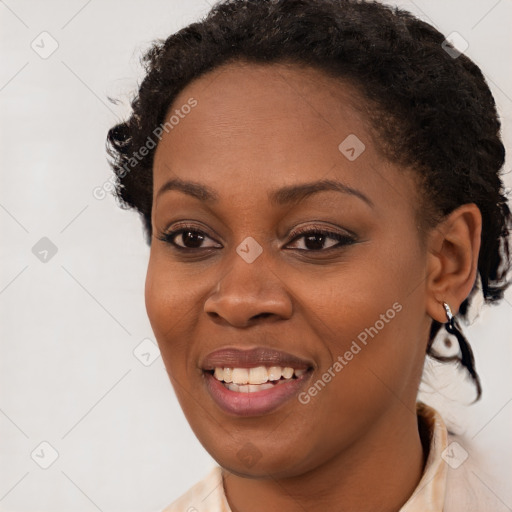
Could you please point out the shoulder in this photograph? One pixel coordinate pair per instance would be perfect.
(469, 487)
(207, 495)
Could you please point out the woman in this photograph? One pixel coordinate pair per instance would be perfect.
(319, 181)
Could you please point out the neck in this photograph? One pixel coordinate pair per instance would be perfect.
(378, 472)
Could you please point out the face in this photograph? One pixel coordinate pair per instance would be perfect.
(296, 247)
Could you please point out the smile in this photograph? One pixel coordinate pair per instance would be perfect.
(252, 380)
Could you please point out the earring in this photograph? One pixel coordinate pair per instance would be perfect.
(448, 310)
(467, 359)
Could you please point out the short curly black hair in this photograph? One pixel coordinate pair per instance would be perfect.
(432, 110)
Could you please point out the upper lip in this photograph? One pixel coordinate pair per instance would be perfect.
(250, 358)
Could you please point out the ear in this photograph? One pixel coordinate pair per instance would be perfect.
(452, 260)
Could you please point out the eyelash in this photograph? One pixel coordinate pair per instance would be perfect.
(343, 239)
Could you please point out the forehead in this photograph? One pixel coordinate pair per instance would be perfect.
(262, 126)
(256, 103)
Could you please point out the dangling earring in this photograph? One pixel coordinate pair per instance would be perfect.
(467, 359)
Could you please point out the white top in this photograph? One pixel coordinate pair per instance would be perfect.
(451, 481)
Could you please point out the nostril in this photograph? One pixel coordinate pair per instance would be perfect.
(262, 315)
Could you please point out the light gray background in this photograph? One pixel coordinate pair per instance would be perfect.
(68, 374)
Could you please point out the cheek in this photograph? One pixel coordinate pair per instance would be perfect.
(170, 293)
(370, 314)
(159, 298)
(170, 309)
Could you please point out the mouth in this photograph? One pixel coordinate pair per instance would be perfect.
(254, 382)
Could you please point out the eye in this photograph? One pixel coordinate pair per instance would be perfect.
(315, 238)
(190, 237)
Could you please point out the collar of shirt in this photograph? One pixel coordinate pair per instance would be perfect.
(208, 494)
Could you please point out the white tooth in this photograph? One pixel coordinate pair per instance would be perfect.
(228, 374)
(297, 372)
(219, 374)
(248, 388)
(240, 375)
(252, 388)
(287, 372)
(274, 373)
(258, 375)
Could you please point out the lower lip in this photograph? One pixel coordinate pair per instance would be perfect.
(256, 403)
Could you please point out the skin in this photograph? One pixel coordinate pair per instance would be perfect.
(256, 128)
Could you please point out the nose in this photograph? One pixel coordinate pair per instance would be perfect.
(248, 293)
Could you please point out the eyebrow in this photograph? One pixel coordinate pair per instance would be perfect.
(283, 196)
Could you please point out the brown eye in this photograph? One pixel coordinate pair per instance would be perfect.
(187, 238)
(318, 240)
(191, 239)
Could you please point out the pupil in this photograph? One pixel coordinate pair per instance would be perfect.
(195, 239)
(317, 238)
